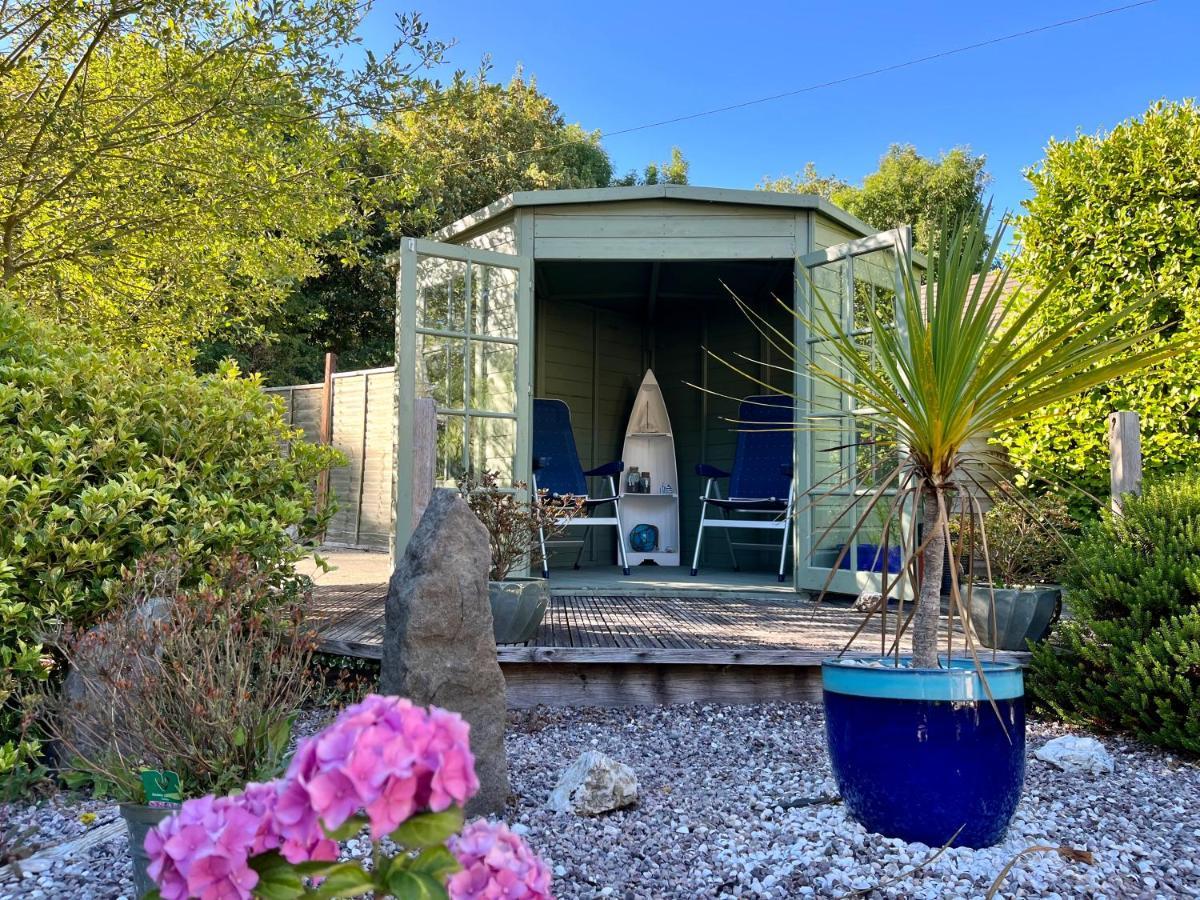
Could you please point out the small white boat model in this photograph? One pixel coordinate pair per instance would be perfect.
(650, 448)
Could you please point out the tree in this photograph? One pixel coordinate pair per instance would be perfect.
(171, 169)
(673, 172)
(470, 142)
(1117, 213)
(810, 182)
(906, 189)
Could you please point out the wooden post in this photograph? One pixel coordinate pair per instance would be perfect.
(1125, 456)
(424, 450)
(325, 426)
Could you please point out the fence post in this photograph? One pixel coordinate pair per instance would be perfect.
(325, 426)
(1125, 456)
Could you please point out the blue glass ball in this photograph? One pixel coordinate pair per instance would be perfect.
(643, 538)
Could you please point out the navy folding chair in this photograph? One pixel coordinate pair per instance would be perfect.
(558, 472)
(761, 483)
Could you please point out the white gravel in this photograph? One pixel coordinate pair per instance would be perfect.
(715, 818)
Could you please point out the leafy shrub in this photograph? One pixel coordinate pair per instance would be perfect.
(1131, 658)
(207, 689)
(512, 523)
(1114, 219)
(1026, 540)
(105, 458)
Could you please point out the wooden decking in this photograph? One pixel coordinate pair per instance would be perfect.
(616, 650)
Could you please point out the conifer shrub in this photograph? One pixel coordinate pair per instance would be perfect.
(1130, 658)
(106, 458)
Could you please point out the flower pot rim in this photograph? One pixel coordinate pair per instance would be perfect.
(958, 682)
(1047, 586)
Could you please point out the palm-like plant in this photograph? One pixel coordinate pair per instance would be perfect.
(953, 359)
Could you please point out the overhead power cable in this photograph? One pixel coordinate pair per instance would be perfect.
(818, 86)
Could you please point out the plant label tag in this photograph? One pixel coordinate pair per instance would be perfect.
(161, 787)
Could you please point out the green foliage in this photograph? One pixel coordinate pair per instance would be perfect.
(674, 171)
(906, 189)
(107, 457)
(1026, 540)
(171, 170)
(809, 182)
(420, 168)
(1119, 213)
(1130, 659)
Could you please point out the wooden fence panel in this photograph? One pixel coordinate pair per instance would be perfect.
(363, 404)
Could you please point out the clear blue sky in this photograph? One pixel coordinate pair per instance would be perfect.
(612, 66)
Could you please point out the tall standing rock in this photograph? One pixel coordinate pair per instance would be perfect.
(438, 646)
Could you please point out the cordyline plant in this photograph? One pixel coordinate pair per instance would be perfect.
(935, 372)
(512, 523)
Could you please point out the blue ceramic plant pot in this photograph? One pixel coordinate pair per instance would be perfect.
(919, 753)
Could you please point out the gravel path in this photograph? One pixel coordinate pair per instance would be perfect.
(713, 819)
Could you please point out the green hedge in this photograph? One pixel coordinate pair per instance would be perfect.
(1130, 660)
(105, 458)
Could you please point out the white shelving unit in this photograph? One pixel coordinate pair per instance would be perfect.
(650, 447)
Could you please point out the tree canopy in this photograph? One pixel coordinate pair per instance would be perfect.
(171, 169)
(1118, 212)
(423, 167)
(906, 189)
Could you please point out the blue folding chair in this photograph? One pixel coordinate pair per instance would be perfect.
(558, 472)
(761, 483)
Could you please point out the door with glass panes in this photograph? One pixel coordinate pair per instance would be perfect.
(838, 465)
(463, 339)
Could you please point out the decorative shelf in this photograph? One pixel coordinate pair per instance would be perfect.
(650, 447)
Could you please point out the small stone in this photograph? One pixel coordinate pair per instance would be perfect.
(593, 784)
(1077, 754)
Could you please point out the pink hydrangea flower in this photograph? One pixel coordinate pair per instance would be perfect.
(389, 758)
(497, 865)
(204, 849)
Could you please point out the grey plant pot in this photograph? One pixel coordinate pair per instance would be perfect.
(1022, 614)
(138, 821)
(518, 605)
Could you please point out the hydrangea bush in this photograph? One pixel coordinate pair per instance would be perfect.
(402, 771)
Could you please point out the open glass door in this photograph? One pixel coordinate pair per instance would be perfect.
(464, 340)
(836, 463)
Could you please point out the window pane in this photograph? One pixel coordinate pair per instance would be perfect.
(440, 373)
(494, 447)
(494, 301)
(449, 464)
(874, 287)
(829, 284)
(441, 294)
(493, 376)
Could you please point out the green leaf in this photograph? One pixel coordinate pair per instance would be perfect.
(405, 884)
(436, 862)
(278, 879)
(239, 736)
(347, 829)
(429, 829)
(344, 880)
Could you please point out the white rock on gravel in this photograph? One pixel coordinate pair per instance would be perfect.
(1072, 753)
(594, 784)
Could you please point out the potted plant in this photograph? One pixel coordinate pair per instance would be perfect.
(513, 524)
(179, 692)
(1018, 599)
(925, 747)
